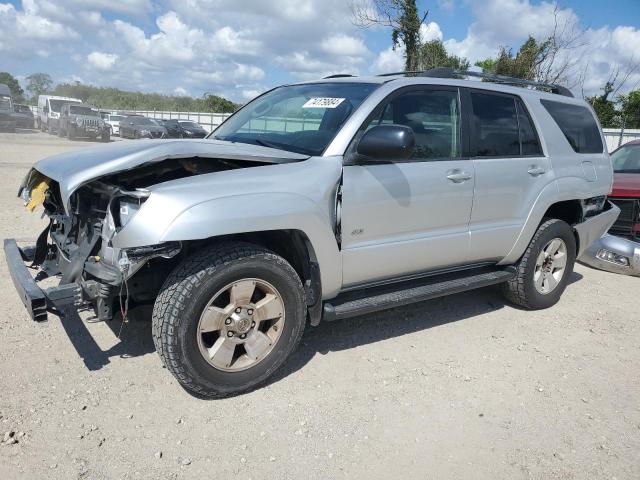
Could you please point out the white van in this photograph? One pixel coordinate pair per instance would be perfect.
(49, 111)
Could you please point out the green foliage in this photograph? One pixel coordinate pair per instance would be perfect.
(407, 30)
(38, 83)
(630, 109)
(116, 99)
(605, 108)
(14, 86)
(623, 112)
(433, 55)
(525, 64)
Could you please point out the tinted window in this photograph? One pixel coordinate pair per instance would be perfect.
(496, 126)
(434, 117)
(577, 124)
(529, 142)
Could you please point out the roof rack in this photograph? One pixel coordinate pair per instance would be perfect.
(444, 72)
(339, 75)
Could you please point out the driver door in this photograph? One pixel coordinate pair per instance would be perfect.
(408, 216)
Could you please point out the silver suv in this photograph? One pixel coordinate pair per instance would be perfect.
(320, 201)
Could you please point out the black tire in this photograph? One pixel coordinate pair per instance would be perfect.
(186, 293)
(521, 290)
(71, 133)
(60, 132)
(106, 136)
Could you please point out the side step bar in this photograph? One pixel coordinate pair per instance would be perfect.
(368, 300)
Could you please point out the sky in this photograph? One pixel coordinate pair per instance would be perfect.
(240, 48)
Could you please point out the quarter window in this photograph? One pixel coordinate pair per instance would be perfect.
(434, 117)
(577, 124)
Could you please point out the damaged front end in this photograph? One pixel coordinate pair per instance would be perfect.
(76, 246)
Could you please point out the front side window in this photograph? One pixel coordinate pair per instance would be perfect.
(577, 124)
(297, 118)
(495, 124)
(434, 117)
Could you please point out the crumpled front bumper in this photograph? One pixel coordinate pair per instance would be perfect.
(619, 246)
(38, 301)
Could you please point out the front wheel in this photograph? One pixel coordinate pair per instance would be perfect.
(544, 270)
(227, 318)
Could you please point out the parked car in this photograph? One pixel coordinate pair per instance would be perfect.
(183, 128)
(7, 120)
(619, 250)
(49, 111)
(23, 116)
(79, 120)
(141, 127)
(243, 239)
(112, 119)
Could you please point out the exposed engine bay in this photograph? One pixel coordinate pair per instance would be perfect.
(77, 243)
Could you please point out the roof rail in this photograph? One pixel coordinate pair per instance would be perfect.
(444, 72)
(339, 75)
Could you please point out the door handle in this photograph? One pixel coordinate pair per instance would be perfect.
(536, 171)
(458, 176)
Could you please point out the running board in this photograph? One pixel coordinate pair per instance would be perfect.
(368, 300)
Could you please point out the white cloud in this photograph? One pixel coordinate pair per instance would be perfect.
(101, 60)
(180, 91)
(430, 31)
(389, 60)
(344, 45)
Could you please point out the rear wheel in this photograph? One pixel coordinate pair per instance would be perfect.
(106, 135)
(227, 318)
(545, 267)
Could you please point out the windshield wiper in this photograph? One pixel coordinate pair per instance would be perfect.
(267, 144)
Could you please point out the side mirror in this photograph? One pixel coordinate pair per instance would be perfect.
(387, 142)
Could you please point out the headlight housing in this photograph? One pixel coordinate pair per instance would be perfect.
(127, 206)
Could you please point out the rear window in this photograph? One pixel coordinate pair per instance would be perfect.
(502, 127)
(577, 124)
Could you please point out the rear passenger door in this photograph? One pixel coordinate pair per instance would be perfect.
(409, 215)
(510, 170)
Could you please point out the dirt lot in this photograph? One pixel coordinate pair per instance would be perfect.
(457, 388)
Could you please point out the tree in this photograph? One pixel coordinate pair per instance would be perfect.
(432, 54)
(630, 109)
(14, 86)
(39, 83)
(401, 16)
(552, 59)
(605, 108)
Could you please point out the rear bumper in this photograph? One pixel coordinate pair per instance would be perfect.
(594, 227)
(36, 300)
(618, 246)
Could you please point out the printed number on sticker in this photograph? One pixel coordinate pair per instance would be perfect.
(323, 102)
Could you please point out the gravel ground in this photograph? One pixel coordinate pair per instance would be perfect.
(461, 387)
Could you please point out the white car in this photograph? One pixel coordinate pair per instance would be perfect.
(113, 120)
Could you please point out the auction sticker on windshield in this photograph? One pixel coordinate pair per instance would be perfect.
(323, 102)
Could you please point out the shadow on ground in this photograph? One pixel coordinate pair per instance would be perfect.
(136, 340)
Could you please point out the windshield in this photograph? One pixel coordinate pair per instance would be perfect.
(142, 121)
(5, 103)
(80, 110)
(298, 118)
(626, 159)
(115, 118)
(190, 125)
(55, 105)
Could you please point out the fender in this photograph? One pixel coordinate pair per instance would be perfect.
(244, 213)
(562, 189)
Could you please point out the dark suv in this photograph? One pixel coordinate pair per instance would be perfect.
(82, 121)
